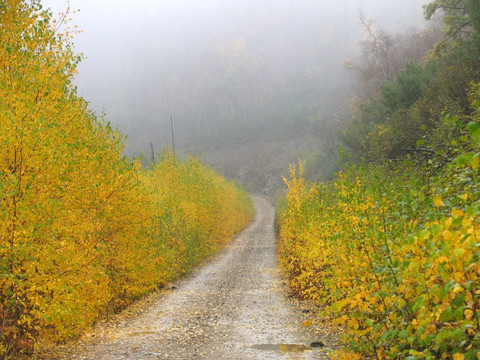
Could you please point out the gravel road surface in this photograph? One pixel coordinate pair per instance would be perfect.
(235, 306)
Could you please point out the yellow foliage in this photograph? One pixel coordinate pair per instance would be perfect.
(400, 287)
(85, 230)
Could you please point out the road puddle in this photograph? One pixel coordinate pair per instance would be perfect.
(283, 348)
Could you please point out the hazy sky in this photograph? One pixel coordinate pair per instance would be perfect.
(110, 24)
(235, 69)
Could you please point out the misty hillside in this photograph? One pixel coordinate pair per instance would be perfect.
(251, 86)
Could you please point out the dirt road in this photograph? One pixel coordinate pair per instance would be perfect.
(233, 307)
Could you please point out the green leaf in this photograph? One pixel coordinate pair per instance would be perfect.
(461, 160)
(435, 229)
(459, 314)
(447, 314)
(442, 335)
(459, 300)
(474, 130)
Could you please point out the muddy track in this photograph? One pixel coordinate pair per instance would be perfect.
(233, 307)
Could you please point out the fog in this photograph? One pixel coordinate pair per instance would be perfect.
(250, 85)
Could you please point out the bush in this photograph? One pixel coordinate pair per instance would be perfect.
(392, 251)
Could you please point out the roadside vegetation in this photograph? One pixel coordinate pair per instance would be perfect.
(84, 230)
(390, 247)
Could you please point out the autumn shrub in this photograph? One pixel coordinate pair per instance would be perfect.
(62, 180)
(194, 211)
(392, 253)
(83, 229)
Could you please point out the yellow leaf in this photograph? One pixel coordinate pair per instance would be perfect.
(442, 259)
(447, 235)
(438, 200)
(307, 323)
(457, 289)
(468, 314)
(459, 252)
(475, 163)
(458, 356)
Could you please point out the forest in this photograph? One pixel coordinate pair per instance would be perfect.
(389, 248)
